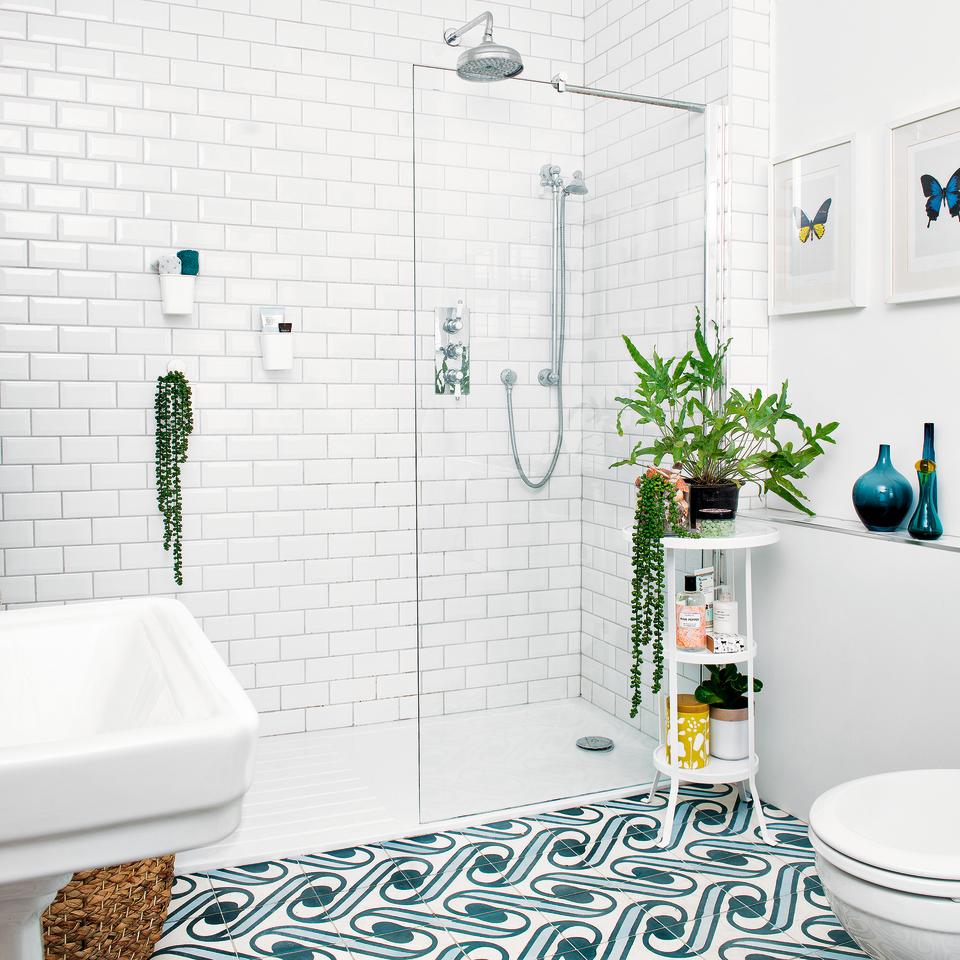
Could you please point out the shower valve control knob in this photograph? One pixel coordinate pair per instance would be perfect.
(453, 351)
(453, 325)
(455, 379)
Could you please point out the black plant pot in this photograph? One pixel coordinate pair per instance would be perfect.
(712, 501)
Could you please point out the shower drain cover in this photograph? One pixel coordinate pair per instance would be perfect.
(595, 743)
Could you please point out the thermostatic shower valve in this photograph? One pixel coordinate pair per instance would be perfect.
(452, 353)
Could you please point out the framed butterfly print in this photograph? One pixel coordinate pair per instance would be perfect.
(813, 219)
(924, 260)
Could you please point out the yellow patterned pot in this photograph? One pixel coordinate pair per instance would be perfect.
(693, 732)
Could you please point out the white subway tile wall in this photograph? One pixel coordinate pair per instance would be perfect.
(499, 563)
(644, 243)
(276, 139)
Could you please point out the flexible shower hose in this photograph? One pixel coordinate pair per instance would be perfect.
(560, 319)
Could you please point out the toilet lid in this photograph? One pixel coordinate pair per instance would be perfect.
(904, 822)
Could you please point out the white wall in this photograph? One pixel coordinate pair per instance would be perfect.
(273, 136)
(859, 662)
(499, 565)
(644, 237)
(852, 68)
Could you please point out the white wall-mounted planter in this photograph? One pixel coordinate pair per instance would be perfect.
(277, 350)
(177, 294)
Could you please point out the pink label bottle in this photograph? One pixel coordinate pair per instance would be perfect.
(691, 616)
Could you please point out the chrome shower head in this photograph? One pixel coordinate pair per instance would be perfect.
(488, 60)
(576, 186)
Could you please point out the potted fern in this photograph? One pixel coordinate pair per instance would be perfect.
(717, 437)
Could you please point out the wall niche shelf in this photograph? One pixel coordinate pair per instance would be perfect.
(749, 535)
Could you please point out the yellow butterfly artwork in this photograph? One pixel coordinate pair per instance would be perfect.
(812, 228)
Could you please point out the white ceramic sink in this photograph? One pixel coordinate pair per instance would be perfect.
(122, 735)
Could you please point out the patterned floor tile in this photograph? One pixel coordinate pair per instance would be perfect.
(194, 921)
(270, 909)
(586, 882)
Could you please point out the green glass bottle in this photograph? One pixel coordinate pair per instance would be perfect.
(925, 523)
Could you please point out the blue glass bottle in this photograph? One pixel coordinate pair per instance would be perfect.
(930, 453)
(925, 523)
(883, 495)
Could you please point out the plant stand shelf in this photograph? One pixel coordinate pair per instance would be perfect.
(749, 535)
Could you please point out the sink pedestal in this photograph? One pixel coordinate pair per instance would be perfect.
(21, 905)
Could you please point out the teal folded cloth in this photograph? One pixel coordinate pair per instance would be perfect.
(190, 261)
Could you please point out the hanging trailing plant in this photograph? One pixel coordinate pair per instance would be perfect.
(174, 416)
(660, 503)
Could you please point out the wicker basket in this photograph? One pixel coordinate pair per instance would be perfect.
(116, 913)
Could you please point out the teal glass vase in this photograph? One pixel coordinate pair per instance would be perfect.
(925, 523)
(883, 496)
(930, 453)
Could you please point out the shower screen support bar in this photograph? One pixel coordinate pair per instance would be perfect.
(560, 84)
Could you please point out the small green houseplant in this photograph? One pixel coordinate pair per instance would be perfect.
(715, 436)
(726, 693)
(726, 687)
(174, 424)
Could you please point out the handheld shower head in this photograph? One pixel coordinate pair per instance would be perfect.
(576, 186)
(487, 61)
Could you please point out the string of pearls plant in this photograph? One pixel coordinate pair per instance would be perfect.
(174, 417)
(660, 503)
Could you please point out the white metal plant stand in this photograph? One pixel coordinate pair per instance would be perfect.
(748, 536)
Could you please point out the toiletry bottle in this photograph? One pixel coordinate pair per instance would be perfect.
(705, 581)
(691, 616)
(725, 611)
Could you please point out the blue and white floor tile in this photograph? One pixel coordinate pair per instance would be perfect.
(581, 883)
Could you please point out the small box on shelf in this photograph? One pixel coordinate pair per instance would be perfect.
(726, 642)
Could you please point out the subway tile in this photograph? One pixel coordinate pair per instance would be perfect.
(64, 143)
(20, 110)
(28, 56)
(47, 29)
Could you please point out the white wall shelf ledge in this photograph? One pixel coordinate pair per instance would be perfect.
(851, 528)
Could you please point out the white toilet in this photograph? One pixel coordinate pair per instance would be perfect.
(888, 854)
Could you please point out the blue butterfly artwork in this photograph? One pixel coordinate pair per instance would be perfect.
(938, 196)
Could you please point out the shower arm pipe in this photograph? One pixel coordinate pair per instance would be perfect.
(454, 36)
(559, 83)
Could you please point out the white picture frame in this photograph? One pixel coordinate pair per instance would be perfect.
(810, 271)
(923, 254)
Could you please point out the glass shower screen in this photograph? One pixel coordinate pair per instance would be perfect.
(523, 613)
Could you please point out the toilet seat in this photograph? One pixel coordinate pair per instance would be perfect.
(900, 882)
(899, 830)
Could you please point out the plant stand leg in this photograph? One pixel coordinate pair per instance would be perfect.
(653, 787)
(761, 817)
(666, 831)
(742, 789)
